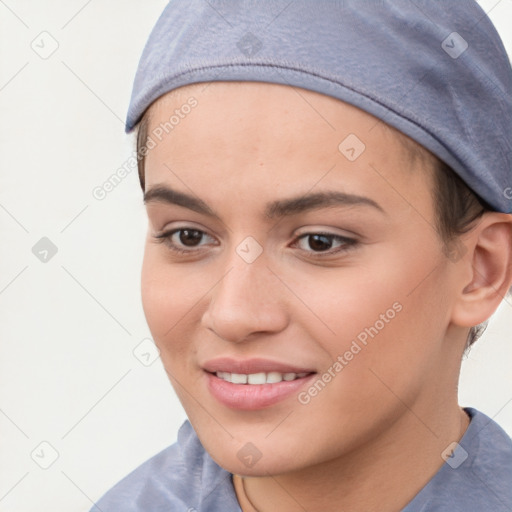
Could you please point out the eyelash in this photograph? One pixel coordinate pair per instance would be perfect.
(348, 243)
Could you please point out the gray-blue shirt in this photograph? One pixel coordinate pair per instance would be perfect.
(477, 476)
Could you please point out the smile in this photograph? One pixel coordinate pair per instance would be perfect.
(259, 378)
(253, 391)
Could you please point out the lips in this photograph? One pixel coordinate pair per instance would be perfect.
(255, 365)
(253, 384)
(258, 378)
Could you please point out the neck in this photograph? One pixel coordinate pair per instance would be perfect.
(384, 474)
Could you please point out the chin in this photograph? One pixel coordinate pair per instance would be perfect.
(256, 455)
(264, 466)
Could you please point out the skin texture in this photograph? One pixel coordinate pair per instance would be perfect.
(373, 437)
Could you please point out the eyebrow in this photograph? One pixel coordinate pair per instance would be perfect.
(275, 209)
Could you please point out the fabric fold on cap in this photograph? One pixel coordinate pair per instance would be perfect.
(436, 71)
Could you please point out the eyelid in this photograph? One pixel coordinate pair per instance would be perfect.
(348, 243)
(317, 230)
(160, 214)
(171, 231)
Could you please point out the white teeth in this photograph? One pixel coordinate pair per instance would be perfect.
(259, 378)
(239, 378)
(274, 377)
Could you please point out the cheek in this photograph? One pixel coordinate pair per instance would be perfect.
(385, 319)
(170, 296)
(343, 304)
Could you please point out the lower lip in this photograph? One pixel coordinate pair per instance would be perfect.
(251, 397)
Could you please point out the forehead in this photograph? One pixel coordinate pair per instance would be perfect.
(284, 133)
(249, 99)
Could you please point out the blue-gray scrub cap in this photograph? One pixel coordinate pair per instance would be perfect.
(435, 70)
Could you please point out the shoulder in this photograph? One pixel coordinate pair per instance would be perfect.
(181, 477)
(476, 475)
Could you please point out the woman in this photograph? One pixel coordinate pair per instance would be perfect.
(328, 188)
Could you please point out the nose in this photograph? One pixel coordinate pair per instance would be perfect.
(249, 300)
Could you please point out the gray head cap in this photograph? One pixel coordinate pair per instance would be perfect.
(436, 71)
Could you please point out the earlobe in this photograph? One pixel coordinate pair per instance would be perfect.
(490, 269)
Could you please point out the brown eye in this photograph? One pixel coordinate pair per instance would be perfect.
(318, 243)
(189, 237)
(177, 239)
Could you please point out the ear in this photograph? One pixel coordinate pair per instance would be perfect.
(487, 274)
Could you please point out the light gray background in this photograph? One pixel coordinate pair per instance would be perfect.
(69, 326)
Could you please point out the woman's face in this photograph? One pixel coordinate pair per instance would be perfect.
(301, 246)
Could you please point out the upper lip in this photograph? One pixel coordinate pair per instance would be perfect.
(254, 365)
